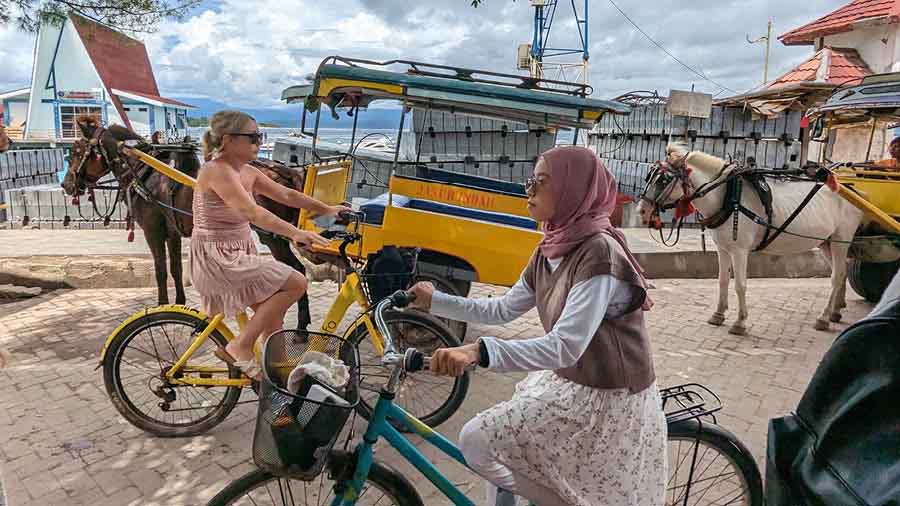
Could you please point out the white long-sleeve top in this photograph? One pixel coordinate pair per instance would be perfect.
(588, 302)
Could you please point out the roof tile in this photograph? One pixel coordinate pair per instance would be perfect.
(845, 65)
(842, 19)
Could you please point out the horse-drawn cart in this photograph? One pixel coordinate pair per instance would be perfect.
(871, 185)
(468, 227)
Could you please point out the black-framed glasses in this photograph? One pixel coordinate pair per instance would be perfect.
(255, 137)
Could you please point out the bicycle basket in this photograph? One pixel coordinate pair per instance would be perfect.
(388, 270)
(298, 423)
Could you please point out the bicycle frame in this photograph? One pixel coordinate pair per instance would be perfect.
(380, 427)
(183, 373)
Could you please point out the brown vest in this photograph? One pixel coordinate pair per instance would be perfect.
(619, 354)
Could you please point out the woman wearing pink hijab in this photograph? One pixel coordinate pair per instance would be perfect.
(586, 426)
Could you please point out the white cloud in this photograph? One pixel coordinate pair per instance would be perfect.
(245, 53)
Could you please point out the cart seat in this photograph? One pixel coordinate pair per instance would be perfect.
(374, 211)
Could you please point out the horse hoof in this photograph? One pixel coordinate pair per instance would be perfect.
(738, 330)
(716, 319)
(822, 325)
(835, 317)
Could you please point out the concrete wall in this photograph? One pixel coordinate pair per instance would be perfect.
(26, 168)
(877, 45)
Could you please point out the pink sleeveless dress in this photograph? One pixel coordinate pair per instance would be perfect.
(226, 267)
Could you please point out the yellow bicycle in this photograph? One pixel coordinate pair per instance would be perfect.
(161, 375)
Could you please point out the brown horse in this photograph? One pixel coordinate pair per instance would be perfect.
(161, 206)
(4, 139)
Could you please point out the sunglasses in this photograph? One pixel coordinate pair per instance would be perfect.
(255, 138)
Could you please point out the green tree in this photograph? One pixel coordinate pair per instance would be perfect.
(135, 16)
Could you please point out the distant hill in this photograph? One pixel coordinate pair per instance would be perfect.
(288, 116)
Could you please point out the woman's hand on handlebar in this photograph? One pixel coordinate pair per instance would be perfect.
(305, 239)
(423, 291)
(454, 361)
(338, 210)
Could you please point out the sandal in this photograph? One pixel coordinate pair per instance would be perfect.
(249, 367)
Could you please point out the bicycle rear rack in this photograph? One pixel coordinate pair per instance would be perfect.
(689, 401)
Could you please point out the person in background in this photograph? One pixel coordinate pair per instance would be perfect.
(586, 426)
(893, 163)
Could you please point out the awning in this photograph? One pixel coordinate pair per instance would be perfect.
(152, 99)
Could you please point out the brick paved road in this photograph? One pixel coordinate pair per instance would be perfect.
(62, 441)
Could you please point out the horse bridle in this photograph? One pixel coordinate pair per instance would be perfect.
(669, 174)
(94, 148)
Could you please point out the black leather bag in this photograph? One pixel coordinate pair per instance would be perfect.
(389, 270)
(842, 446)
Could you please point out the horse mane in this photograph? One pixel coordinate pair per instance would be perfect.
(696, 159)
(121, 133)
(677, 149)
(705, 162)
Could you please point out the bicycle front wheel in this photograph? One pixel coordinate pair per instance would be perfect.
(709, 466)
(384, 486)
(135, 367)
(429, 398)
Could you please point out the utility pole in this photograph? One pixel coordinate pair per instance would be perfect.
(768, 38)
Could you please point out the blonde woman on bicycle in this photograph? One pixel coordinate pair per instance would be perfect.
(225, 266)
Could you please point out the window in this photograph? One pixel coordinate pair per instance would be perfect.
(142, 109)
(67, 115)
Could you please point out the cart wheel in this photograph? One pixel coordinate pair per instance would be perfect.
(455, 287)
(870, 279)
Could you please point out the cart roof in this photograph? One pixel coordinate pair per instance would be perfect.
(876, 96)
(342, 82)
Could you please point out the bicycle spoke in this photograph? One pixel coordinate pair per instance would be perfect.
(175, 354)
(710, 477)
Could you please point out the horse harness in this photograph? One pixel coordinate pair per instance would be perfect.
(138, 183)
(731, 206)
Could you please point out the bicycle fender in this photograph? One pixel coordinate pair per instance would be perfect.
(169, 308)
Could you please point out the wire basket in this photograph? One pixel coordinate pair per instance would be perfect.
(296, 428)
(388, 270)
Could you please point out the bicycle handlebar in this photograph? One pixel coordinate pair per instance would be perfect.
(411, 360)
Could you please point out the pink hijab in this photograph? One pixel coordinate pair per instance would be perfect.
(585, 198)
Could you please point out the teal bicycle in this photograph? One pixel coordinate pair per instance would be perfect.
(298, 426)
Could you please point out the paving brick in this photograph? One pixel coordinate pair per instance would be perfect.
(57, 413)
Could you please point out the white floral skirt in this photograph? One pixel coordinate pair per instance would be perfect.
(592, 447)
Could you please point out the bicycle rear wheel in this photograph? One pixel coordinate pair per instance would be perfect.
(134, 375)
(709, 466)
(384, 486)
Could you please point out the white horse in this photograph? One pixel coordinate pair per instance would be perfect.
(826, 216)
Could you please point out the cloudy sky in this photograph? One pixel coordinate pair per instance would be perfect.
(244, 53)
